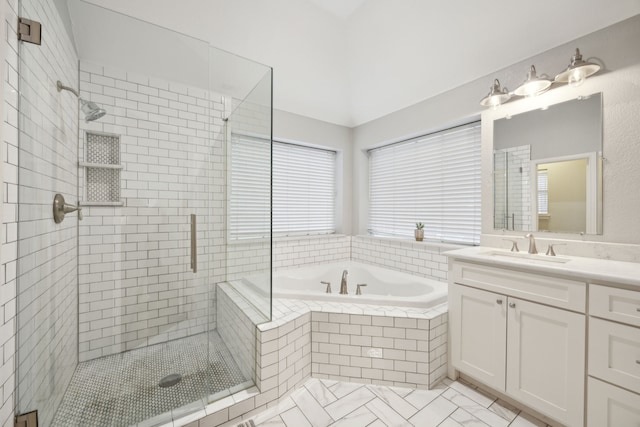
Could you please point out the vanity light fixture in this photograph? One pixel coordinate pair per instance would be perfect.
(577, 71)
(533, 85)
(496, 96)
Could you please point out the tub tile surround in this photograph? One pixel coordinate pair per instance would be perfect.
(287, 252)
(423, 259)
(298, 252)
(303, 334)
(398, 351)
(237, 328)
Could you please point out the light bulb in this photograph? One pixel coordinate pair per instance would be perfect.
(535, 88)
(496, 101)
(576, 77)
(496, 96)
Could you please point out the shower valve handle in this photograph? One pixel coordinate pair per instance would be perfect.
(60, 208)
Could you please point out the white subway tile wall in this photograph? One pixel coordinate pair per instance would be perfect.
(9, 235)
(136, 285)
(292, 252)
(419, 258)
(246, 258)
(236, 324)
(252, 115)
(384, 350)
(282, 363)
(47, 334)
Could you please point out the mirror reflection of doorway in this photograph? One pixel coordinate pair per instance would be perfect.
(565, 194)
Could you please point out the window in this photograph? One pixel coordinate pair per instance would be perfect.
(434, 179)
(303, 189)
(249, 199)
(543, 192)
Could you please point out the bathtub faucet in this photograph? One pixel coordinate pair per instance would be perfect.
(343, 283)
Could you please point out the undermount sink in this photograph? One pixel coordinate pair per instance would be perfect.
(527, 256)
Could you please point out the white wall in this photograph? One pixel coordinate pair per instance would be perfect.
(619, 82)
(290, 127)
(429, 48)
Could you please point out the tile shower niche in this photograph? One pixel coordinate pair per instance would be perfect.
(102, 169)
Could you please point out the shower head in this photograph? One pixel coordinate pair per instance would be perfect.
(90, 109)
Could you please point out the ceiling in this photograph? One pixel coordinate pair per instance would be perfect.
(352, 61)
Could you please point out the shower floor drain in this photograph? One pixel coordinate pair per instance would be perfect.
(170, 380)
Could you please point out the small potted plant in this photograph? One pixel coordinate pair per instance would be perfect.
(419, 231)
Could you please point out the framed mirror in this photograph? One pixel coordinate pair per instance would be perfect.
(547, 168)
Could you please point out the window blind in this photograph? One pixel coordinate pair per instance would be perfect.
(249, 199)
(434, 179)
(543, 192)
(303, 189)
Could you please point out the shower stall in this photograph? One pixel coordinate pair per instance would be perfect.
(120, 319)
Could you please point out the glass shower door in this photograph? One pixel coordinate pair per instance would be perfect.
(119, 317)
(112, 310)
(144, 271)
(47, 268)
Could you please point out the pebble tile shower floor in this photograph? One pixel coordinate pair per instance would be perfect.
(122, 389)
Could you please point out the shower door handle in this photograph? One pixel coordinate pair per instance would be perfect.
(194, 247)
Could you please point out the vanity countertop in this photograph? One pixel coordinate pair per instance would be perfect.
(587, 269)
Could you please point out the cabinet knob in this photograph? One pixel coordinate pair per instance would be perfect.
(638, 362)
(638, 309)
(512, 304)
(499, 301)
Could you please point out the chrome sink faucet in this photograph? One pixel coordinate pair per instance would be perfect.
(343, 283)
(532, 243)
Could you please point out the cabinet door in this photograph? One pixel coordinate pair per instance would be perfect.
(478, 334)
(546, 360)
(610, 406)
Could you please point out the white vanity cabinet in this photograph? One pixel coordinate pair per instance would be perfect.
(614, 357)
(479, 334)
(522, 334)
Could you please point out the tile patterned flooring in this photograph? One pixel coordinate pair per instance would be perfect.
(322, 403)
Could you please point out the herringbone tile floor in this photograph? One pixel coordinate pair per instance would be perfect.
(321, 403)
